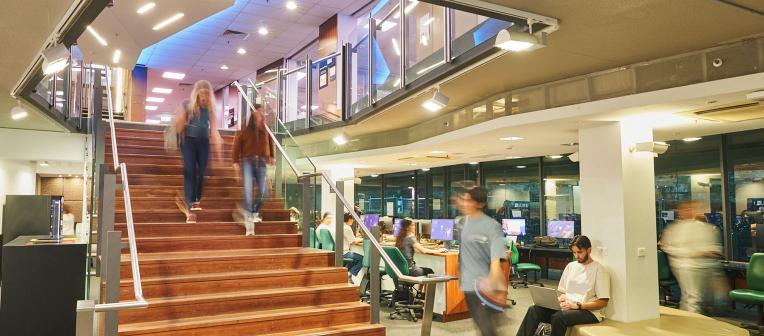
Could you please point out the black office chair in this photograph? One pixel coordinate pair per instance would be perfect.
(407, 307)
(666, 280)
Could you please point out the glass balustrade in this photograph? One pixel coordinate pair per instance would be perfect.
(386, 50)
(326, 90)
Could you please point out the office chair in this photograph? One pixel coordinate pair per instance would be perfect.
(406, 305)
(523, 268)
(754, 295)
(365, 282)
(313, 240)
(327, 244)
(665, 281)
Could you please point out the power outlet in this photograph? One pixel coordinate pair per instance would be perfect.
(641, 252)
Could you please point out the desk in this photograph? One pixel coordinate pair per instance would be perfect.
(450, 303)
(736, 273)
(546, 257)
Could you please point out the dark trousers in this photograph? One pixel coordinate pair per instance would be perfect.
(560, 320)
(484, 317)
(196, 153)
(357, 264)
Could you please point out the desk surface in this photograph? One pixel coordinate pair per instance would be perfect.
(546, 249)
(734, 265)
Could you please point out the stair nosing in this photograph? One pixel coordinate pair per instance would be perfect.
(220, 276)
(193, 256)
(243, 295)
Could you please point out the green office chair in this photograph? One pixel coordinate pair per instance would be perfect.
(665, 281)
(406, 306)
(522, 268)
(327, 244)
(754, 295)
(365, 282)
(313, 240)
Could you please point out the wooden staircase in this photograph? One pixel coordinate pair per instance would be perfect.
(208, 278)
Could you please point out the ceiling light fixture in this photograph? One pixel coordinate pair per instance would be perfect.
(374, 175)
(173, 75)
(291, 5)
(117, 56)
(154, 100)
(161, 90)
(262, 31)
(555, 156)
(438, 152)
(520, 167)
(515, 41)
(437, 102)
(168, 21)
(145, 8)
(691, 139)
(44, 164)
(511, 138)
(18, 112)
(241, 51)
(55, 59)
(223, 67)
(151, 107)
(97, 37)
(425, 169)
(514, 157)
(152, 121)
(473, 163)
(340, 139)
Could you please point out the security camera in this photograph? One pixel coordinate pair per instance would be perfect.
(573, 157)
(652, 147)
(717, 62)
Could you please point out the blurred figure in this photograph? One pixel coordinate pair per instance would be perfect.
(481, 250)
(693, 250)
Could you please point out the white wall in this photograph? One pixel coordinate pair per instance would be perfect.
(41, 145)
(16, 178)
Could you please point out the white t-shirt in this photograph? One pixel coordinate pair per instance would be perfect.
(585, 283)
(348, 235)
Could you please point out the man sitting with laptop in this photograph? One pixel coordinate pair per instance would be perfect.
(585, 292)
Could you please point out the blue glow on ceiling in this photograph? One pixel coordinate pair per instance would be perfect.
(489, 29)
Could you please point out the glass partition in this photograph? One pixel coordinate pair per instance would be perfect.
(400, 194)
(368, 194)
(386, 50)
(438, 201)
(513, 193)
(325, 92)
(745, 155)
(424, 38)
(562, 193)
(295, 107)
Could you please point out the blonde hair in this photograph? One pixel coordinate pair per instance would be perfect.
(194, 100)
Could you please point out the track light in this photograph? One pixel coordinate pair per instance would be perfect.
(437, 102)
(515, 41)
(55, 59)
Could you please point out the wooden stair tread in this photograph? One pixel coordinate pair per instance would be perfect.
(207, 223)
(335, 330)
(146, 258)
(227, 275)
(235, 318)
(244, 295)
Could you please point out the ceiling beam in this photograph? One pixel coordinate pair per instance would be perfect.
(538, 22)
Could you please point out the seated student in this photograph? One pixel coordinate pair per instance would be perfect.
(407, 243)
(585, 288)
(325, 223)
(348, 238)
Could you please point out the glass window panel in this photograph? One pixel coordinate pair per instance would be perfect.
(368, 195)
(513, 192)
(400, 194)
(422, 210)
(456, 176)
(438, 201)
(424, 39)
(562, 191)
(295, 109)
(471, 30)
(745, 152)
(499, 107)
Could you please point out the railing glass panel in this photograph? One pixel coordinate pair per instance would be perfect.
(386, 50)
(425, 28)
(324, 107)
(358, 59)
(295, 107)
(470, 30)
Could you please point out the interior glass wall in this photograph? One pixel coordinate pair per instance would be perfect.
(562, 193)
(438, 201)
(745, 164)
(456, 178)
(514, 192)
(400, 194)
(368, 194)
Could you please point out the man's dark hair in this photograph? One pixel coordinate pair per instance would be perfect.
(582, 242)
(348, 216)
(478, 194)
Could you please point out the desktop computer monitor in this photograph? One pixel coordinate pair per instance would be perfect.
(513, 226)
(370, 221)
(397, 225)
(442, 229)
(425, 227)
(560, 229)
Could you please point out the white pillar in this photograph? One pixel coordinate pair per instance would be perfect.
(618, 213)
(327, 198)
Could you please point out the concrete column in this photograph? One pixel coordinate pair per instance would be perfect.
(327, 198)
(618, 213)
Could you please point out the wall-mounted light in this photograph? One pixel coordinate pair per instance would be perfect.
(655, 147)
(515, 41)
(436, 103)
(55, 59)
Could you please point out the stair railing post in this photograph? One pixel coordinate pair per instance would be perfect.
(107, 189)
(307, 209)
(374, 278)
(339, 231)
(111, 280)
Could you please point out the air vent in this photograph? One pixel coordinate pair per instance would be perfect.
(734, 112)
(235, 34)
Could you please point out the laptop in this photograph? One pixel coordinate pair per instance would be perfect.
(545, 297)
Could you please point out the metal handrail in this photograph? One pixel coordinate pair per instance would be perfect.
(347, 205)
(139, 301)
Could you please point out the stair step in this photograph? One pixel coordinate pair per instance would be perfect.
(150, 134)
(204, 243)
(145, 230)
(177, 180)
(171, 192)
(172, 308)
(151, 142)
(193, 284)
(217, 261)
(164, 159)
(208, 202)
(206, 215)
(356, 329)
(351, 315)
(176, 169)
(157, 149)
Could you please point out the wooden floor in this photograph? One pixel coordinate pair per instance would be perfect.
(208, 278)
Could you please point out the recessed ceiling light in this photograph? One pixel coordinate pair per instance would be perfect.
(241, 51)
(223, 67)
(411, 164)
(514, 157)
(151, 107)
(97, 37)
(374, 175)
(44, 164)
(691, 139)
(60, 175)
(438, 152)
(473, 163)
(18, 112)
(520, 167)
(340, 139)
(555, 156)
(262, 31)
(161, 90)
(169, 20)
(173, 75)
(152, 121)
(145, 8)
(425, 169)
(291, 5)
(154, 99)
(511, 138)
(117, 56)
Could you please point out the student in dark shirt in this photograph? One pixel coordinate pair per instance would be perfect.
(407, 243)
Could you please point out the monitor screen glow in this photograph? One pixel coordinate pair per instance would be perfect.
(560, 229)
(442, 229)
(370, 221)
(513, 227)
(397, 225)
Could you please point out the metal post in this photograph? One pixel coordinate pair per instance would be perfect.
(279, 97)
(447, 34)
(375, 278)
(85, 318)
(339, 230)
(370, 86)
(97, 105)
(107, 189)
(307, 206)
(345, 85)
(112, 279)
(278, 176)
(308, 91)
(403, 36)
(429, 301)
(728, 216)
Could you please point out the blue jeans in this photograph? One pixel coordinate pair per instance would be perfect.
(196, 153)
(253, 170)
(357, 264)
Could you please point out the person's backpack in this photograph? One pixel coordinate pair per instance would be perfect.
(545, 241)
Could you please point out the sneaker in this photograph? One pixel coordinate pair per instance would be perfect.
(256, 218)
(196, 206)
(190, 218)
